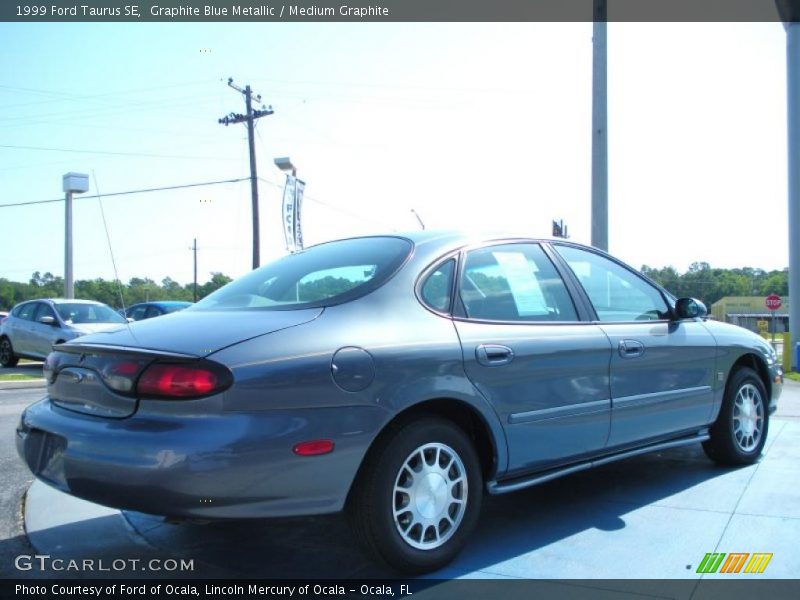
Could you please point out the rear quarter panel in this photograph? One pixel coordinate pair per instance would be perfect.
(416, 357)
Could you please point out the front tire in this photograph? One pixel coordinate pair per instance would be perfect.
(418, 495)
(740, 431)
(7, 356)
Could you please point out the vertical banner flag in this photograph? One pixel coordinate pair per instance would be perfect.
(289, 214)
(299, 187)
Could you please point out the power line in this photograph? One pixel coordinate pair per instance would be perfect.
(100, 112)
(58, 96)
(126, 193)
(112, 153)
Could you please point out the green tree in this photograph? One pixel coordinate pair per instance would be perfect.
(217, 281)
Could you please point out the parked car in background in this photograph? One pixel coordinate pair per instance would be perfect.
(32, 327)
(398, 378)
(148, 310)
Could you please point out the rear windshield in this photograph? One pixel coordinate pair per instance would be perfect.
(323, 275)
(74, 314)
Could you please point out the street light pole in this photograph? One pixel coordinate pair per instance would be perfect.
(69, 285)
(600, 127)
(793, 102)
(789, 12)
(71, 183)
(194, 249)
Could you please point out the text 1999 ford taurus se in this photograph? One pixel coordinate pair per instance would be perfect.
(396, 377)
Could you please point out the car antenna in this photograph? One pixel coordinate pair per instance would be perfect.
(111, 252)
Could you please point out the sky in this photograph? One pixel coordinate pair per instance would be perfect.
(474, 126)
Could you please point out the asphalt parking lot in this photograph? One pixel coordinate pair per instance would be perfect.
(653, 516)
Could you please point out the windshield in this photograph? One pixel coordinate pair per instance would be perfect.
(323, 275)
(74, 314)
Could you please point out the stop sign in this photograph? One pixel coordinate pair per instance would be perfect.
(773, 302)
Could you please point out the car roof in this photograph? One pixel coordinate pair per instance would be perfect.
(62, 301)
(72, 301)
(162, 303)
(456, 238)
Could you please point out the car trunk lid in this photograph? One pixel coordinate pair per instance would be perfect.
(198, 332)
(95, 374)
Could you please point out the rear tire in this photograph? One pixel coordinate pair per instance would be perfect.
(418, 495)
(740, 431)
(7, 356)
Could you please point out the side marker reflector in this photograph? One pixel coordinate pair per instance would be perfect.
(313, 448)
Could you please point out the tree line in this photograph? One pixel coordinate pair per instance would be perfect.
(111, 292)
(700, 281)
(709, 285)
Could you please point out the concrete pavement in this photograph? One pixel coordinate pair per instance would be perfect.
(653, 516)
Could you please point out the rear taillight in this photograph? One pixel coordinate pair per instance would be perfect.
(182, 380)
(121, 374)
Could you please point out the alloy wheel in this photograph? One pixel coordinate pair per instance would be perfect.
(430, 496)
(748, 417)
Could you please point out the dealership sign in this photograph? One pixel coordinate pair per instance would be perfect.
(292, 201)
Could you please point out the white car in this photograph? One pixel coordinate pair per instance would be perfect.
(32, 327)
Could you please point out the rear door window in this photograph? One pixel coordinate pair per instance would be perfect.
(514, 282)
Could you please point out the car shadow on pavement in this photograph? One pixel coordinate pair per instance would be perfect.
(510, 526)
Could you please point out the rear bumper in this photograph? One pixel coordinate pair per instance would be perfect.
(230, 465)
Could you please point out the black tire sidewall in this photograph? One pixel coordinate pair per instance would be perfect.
(12, 361)
(724, 426)
(391, 545)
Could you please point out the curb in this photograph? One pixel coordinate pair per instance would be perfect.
(23, 384)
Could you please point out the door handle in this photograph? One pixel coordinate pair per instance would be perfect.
(494, 355)
(630, 348)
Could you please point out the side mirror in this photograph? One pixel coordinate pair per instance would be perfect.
(130, 319)
(48, 320)
(690, 308)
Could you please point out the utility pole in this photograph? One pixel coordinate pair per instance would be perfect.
(790, 15)
(194, 251)
(249, 119)
(600, 127)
